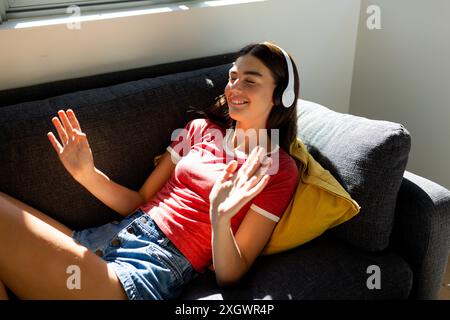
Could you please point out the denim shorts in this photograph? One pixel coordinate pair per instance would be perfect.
(147, 264)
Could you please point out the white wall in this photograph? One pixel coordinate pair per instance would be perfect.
(321, 36)
(402, 74)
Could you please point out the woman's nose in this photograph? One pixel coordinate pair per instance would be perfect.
(235, 85)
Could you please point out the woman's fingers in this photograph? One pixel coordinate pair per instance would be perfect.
(250, 157)
(259, 186)
(67, 125)
(251, 172)
(261, 162)
(55, 143)
(257, 165)
(259, 174)
(61, 131)
(68, 128)
(73, 119)
(255, 161)
(230, 168)
(264, 167)
(81, 138)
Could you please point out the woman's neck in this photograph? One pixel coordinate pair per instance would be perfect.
(246, 137)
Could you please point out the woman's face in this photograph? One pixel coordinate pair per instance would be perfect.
(249, 92)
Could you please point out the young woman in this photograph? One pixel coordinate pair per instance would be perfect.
(210, 202)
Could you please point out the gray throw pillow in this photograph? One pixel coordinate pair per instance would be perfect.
(368, 157)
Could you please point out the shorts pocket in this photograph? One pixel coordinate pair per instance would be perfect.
(166, 258)
(146, 225)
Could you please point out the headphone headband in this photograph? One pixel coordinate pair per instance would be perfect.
(288, 96)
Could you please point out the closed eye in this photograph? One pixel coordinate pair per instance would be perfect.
(246, 81)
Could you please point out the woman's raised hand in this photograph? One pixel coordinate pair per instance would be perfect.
(234, 188)
(73, 151)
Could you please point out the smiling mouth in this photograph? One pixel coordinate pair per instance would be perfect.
(238, 102)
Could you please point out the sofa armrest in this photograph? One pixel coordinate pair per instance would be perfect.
(421, 232)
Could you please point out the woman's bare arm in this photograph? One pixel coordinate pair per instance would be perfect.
(124, 200)
(112, 194)
(158, 177)
(75, 154)
(233, 256)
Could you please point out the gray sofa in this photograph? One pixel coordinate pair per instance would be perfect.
(403, 228)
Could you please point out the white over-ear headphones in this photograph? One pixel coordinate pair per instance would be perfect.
(288, 96)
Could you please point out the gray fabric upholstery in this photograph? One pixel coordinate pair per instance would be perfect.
(324, 268)
(43, 91)
(421, 232)
(127, 126)
(368, 157)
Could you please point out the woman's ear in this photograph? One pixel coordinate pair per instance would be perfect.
(277, 95)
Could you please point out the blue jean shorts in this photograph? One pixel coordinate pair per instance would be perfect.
(147, 264)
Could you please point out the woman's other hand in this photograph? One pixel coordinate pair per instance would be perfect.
(233, 190)
(73, 151)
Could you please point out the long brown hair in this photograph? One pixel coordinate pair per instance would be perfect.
(284, 119)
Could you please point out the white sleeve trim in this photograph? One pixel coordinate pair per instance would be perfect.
(265, 213)
(175, 156)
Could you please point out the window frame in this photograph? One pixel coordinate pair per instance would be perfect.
(58, 3)
(17, 9)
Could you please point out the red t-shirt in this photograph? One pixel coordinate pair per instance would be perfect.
(181, 207)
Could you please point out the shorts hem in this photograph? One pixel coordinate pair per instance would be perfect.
(126, 281)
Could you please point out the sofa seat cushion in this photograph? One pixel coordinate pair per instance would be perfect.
(324, 268)
(368, 157)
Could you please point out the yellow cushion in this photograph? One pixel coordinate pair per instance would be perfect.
(319, 203)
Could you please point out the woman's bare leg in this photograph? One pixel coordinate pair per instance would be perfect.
(6, 200)
(37, 254)
(3, 293)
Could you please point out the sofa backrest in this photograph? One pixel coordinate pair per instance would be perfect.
(127, 125)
